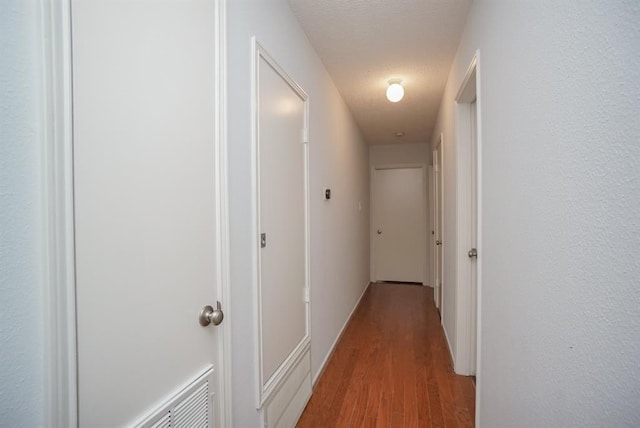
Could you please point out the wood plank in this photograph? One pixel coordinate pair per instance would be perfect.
(392, 368)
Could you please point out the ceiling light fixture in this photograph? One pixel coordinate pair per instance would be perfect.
(395, 91)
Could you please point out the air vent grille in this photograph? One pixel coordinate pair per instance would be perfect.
(191, 407)
(164, 422)
(193, 411)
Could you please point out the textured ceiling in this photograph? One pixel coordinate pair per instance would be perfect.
(364, 43)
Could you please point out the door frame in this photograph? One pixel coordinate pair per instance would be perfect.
(373, 217)
(468, 337)
(437, 217)
(57, 217)
(431, 229)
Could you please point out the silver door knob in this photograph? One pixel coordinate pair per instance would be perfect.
(208, 315)
(438, 242)
(473, 253)
(379, 232)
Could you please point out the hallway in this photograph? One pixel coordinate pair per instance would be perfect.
(392, 368)
(131, 176)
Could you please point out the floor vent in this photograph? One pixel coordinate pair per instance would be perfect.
(191, 407)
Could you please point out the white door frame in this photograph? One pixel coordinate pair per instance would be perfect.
(373, 228)
(467, 299)
(431, 230)
(59, 319)
(437, 217)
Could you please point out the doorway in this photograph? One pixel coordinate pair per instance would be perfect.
(399, 224)
(469, 259)
(437, 226)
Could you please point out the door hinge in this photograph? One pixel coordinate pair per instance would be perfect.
(305, 135)
(307, 296)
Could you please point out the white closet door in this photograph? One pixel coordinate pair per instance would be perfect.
(282, 217)
(143, 74)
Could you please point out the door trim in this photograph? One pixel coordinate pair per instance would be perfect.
(466, 323)
(438, 217)
(59, 286)
(59, 318)
(224, 380)
(265, 388)
(372, 229)
(431, 230)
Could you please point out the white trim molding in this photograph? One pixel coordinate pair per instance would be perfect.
(479, 236)
(59, 321)
(225, 360)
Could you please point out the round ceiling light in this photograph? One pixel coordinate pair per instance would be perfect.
(395, 91)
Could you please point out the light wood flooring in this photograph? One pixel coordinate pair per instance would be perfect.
(392, 368)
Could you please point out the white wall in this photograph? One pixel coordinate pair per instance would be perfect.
(21, 341)
(398, 155)
(560, 88)
(338, 159)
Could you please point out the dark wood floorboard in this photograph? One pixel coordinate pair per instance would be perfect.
(392, 368)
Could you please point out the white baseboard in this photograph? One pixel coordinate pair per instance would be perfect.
(335, 342)
(446, 336)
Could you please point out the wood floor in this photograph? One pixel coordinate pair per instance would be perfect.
(392, 368)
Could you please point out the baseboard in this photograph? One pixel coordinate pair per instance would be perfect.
(446, 336)
(335, 342)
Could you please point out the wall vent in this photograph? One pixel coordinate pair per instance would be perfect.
(193, 411)
(190, 407)
(164, 422)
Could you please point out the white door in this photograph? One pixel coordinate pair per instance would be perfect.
(144, 109)
(282, 224)
(437, 241)
(399, 224)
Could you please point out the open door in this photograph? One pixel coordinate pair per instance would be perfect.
(146, 213)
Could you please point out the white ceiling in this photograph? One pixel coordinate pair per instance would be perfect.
(364, 43)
